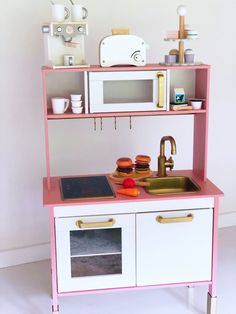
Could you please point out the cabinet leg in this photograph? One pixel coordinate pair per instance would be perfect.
(190, 296)
(211, 304)
(55, 309)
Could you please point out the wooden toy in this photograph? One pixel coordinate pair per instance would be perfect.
(181, 10)
(184, 33)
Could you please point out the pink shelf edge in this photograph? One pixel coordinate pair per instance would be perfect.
(51, 116)
(97, 291)
(151, 66)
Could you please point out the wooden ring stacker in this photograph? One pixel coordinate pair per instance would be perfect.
(136, 182)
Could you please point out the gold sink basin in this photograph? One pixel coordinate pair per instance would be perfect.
(171, 185)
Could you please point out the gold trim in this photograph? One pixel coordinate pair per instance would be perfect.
(171, 185)
(160, 77)
(170, 220)
(102, 224)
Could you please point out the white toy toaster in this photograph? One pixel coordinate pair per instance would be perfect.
(122, 50)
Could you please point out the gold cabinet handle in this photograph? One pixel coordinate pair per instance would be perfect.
(160, 77)
(170, 220)
(87, 225)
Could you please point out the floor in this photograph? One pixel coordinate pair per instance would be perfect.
(25, 289)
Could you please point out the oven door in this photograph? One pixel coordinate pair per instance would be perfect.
(95, 252)
(128, 91)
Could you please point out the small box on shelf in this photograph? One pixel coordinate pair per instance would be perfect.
(179, 96)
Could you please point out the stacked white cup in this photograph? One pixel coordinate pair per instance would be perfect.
(76, 103)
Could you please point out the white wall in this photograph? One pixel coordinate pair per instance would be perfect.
(24, 231)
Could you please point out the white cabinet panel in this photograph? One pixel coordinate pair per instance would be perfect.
(133, 207)
(95, 252)
(169, 251)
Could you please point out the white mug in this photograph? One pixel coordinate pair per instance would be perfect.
(69, 60)
(59, 12)
(79, 13)
(76, 97)
(196, 103)
(59, 105)
(76, 103)
(77, 109)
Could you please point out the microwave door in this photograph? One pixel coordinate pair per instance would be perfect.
(120, 91)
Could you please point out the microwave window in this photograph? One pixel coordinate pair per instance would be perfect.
(128, 91)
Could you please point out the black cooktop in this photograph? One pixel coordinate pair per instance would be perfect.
(86, 187)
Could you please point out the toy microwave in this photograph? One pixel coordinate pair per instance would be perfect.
(120, 91)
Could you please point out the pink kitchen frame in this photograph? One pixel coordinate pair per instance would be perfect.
(51, 187)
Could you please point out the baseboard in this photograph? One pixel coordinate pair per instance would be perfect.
(24, 255)
(227, 219)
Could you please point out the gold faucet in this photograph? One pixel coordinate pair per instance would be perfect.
(162, 162)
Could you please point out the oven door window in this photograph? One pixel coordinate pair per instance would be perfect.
(95, 252)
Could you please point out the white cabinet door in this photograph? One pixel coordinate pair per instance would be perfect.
(174, 247)
(95, 252)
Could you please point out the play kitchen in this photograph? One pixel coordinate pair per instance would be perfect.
(145, 224)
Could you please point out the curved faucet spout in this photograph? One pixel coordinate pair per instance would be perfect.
(162, 145)
(162, 162)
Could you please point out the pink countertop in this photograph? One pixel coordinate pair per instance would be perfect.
(53, 197)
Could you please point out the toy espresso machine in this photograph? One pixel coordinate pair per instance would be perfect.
(64, 44)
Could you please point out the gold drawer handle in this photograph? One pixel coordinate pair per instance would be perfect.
(87, 225)
(160, 77)
(171, 220)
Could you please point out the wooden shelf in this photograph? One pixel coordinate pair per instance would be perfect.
(70, 115)
(179, 39)
(147, 67)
